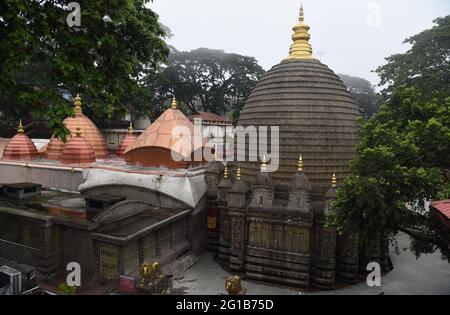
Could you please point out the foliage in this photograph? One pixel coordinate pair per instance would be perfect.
(45, 62)
(425, 65)
(65, 289)
(210, 80)
(401, 164)
(363, 93)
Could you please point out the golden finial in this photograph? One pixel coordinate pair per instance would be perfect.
(78, 132)
(77, 103)
(301, 49)
(20, 129)
(334, 181)
(264, 164)
(238, 174)
(130, 129)
(174, 103)
(225, 172)
(300, 164)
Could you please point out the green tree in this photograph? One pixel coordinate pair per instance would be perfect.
(364, 94)
(210, 80)
(45, 62)
(403, 158)
(402, 163)
(425, 65)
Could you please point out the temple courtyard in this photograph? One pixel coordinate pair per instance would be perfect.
(427, 275)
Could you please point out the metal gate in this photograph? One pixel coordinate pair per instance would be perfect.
(109, 260)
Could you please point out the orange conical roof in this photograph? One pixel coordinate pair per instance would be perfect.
(127, 141)
(88, 130)
(54, 149)
(77, 151)
(151, 147)
(20, 147)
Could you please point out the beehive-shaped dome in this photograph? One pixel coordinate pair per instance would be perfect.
(89, 130)
(54, 149)
(172, 134)
(314, 111)
(20, 147)
(127, 141)
(77, 150)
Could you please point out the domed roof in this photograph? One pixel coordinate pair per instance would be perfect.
(300, 181)
(77, 151)
(20, 147)
(54, 149)
(239, 186)
(225, 183)
(127, 141)
(315, 113)
(263, 179)
(164, 136)
(89, 130)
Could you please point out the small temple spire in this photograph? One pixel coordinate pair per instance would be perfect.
(302, 14)
(20, 128)
(334, 181)
(130, 128)
(174, 104)
(264, 164)
(238, 173)
(300, 164)
(225, 172)
(301, 48)
(77, 104)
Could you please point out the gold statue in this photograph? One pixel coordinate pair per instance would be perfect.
(150, 273)
(234, 287)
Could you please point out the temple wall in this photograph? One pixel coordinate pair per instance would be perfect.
(64, 178)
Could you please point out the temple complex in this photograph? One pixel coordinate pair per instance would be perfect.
(155, 201)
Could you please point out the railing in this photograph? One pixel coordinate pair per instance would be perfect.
(20, 253)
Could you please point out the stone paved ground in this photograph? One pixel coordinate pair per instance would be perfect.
(428, 275)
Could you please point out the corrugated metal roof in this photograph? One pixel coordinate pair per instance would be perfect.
(443, 206)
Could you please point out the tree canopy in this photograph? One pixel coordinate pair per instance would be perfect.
(425, 65)
(210, 80)
(403, 158)
(364, 94)
(45, 62)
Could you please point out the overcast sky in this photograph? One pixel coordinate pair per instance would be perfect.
(350, 36)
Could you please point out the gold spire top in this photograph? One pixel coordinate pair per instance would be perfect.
(174, 103)
(300, 164)
(130, 129)
(301, 49)
(225, 172)
(20, 128)
(77, 103)
(238, 173)
(334, 181)
(264, 164)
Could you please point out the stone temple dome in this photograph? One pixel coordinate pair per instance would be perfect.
(89, 130)
(77, 151)
(315, 112)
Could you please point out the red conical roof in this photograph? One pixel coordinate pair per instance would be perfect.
(88, 130)
(20, 147)
(54, 149)
(77, 151)
(127, 141)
